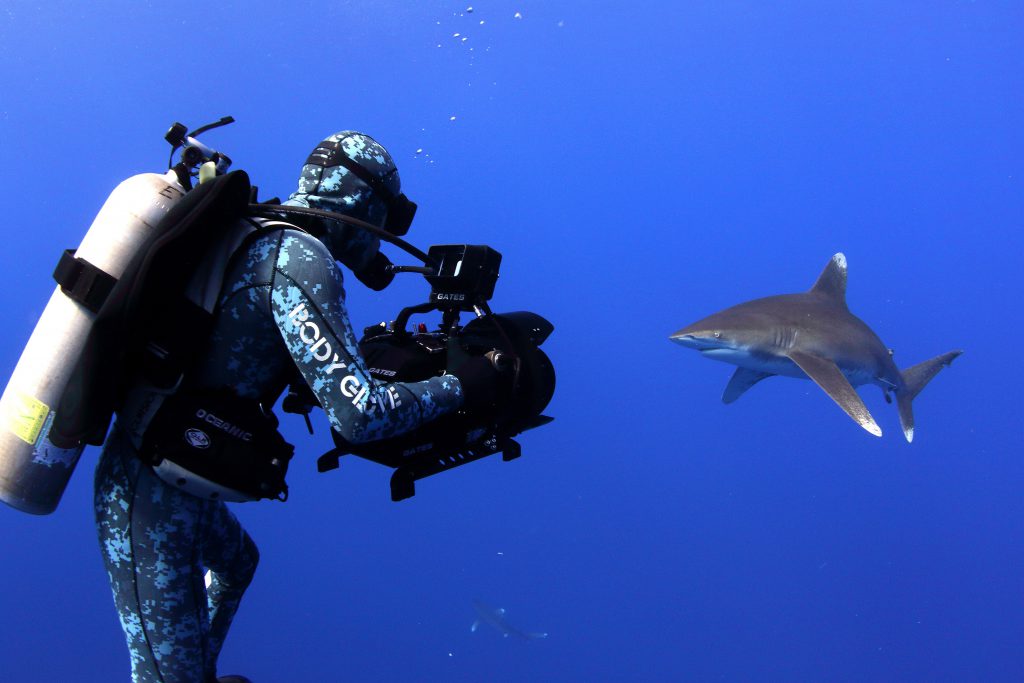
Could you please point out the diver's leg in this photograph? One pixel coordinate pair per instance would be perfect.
(231, 556)
(113, 491)
(149, 537)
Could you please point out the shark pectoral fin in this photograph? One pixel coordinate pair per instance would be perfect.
(740, 381)
(827, 375)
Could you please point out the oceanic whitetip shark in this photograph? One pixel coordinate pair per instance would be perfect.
(496, 618)
(811, 335)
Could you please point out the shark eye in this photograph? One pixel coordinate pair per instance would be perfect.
(718, 335)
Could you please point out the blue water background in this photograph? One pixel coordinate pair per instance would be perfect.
(639, 165)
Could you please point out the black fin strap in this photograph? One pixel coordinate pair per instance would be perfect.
(83, 282)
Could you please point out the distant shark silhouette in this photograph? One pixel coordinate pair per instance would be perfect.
(496, 618)
(811, 335)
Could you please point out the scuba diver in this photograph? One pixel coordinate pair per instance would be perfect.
(178, 559)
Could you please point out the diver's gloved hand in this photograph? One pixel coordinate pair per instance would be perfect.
(485, 389)
(376, 274)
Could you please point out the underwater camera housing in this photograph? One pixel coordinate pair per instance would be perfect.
(462, 279)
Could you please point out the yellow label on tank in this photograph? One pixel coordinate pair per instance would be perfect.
(26, 416)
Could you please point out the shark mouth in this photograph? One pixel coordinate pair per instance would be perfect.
(700, 343)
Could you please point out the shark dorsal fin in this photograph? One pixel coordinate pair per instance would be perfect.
(832, 281)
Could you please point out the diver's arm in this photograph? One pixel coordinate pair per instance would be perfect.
(308, 304)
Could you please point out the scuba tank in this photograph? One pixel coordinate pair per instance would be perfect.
(34, 471)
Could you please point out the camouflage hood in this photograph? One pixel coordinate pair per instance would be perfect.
(335, 188)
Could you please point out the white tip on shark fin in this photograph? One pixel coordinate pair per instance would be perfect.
(871, 426)
(475, 626)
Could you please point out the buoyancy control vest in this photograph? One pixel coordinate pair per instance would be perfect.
(209, 442)
(133, 332)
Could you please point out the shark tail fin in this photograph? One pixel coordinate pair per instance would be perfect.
(914, 380)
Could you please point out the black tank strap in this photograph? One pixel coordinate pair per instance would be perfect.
(83, 282)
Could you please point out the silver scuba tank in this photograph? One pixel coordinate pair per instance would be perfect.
(34, 472)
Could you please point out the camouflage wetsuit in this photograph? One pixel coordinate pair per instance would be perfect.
(282, 306)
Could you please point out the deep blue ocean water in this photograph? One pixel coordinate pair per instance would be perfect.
(638, 165)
